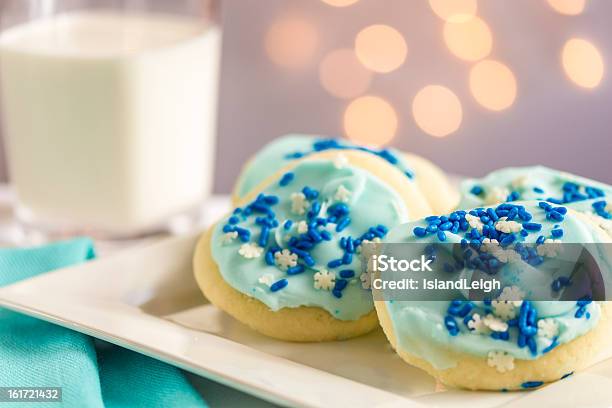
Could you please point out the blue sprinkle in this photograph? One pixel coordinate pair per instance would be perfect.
(532, 384)
(446, 226)
(347, 273)
(492, 214)
(598, 205)
(343, 224)
(340, 284)
(594, 192)
(286, 179)
(451, 325)
(337, 293)
(419, 232)
(347, 258)
(532, 226)
(552, 345)
(513, 196)
(270, 200)
(278, 285)
(296, 155)
(310, 193)
(294, 270)
(309, 261)
(507, 240)
(350, 245)
(335, 263)
(533, 348)
(538, 190)
(524, 215)
(270, 258)
(338, 209)
(314, 209)
(228, 228)
(326, 235)
(476, 190)
(263, 237)
(500, 335)
(287, 225)
(544, 205)
(557, 233)
(441, 236)
(314, 235)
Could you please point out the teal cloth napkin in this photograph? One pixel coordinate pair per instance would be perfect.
(91, 373)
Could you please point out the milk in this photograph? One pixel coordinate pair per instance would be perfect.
(110, 117)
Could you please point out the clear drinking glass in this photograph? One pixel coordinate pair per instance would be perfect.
(108, 111)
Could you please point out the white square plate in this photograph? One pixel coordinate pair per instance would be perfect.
(146, 300)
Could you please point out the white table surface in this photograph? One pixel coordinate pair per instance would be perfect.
(216, 395)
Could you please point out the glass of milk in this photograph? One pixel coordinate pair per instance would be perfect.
(108, 111)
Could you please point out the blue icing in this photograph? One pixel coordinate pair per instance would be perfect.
(281, 152)
(370, 206)
(427, 328)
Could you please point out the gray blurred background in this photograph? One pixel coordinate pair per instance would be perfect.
(552, 121)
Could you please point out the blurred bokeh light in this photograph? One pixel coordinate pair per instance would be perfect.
(470, 39)
(569, 7)
(340, 3)
(493, 85)
(437, 110)
(342, 75)
(291, 42)
(454, 10)
(381, 48)
(582, 62)
(370, 120)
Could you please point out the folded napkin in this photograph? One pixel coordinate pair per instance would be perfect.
(34, 353)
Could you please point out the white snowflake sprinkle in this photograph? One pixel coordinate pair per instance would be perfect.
(548, 328)
(299, 204)
(229, 237)
(477, 325)
(508, 226)
(504, 310)
(501, 360)
(550, 248)
(250, 251)
(360, 247)
(285, 259)
(342, 194)
(474, 222)
(366, 280)
(495, 324)
(324, 279)
(505, 255)
(267, 279)
(497, 195)
(302, 227)
(489, 245)
(520, 181)
(340, 161)
(512, 294)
